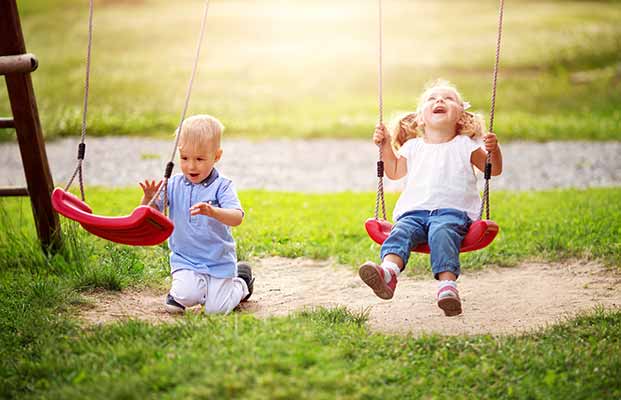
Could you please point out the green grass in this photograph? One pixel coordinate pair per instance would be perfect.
(321, 354)
(316, 354)
(308, 69)
(551, 225)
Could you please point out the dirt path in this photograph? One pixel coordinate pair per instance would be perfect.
(496, 301)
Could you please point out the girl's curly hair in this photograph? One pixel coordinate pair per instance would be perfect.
(407, 126)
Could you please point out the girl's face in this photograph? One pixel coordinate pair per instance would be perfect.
(197, 162)
(441, 108)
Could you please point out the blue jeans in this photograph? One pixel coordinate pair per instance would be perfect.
(443, 229)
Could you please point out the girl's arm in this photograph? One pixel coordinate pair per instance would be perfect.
(479, 156)
(395, 167)
(228, 216)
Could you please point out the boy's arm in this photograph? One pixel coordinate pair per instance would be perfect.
(149, 190)
(228, 216)
(229, 212)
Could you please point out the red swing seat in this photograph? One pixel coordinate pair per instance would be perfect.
(145, 226)
(481, 234)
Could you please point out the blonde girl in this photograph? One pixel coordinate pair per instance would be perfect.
(435, 148)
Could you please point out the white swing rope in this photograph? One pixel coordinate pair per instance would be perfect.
(379, 200)
(488, 160)
(170, 165)
(82, 146)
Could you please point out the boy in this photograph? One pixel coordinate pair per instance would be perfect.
(203, 205)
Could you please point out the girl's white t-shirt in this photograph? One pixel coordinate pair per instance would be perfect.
(439, 176)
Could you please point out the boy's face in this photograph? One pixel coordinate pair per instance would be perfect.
(198, 161)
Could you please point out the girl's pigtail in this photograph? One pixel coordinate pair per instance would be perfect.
(471, 125)
(404, 129)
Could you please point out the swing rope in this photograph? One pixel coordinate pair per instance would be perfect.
(488, 160)
(379, 200)
(170, 165)
(82, 146)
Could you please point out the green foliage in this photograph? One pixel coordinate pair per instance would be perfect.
(551, 225)
(321, 354)
(87, 263)
(559, 78)
(318, 354)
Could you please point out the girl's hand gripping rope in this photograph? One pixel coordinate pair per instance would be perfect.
(381, 135)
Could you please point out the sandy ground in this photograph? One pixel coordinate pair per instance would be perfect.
(496, 301)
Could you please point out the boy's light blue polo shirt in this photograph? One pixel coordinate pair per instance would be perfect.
(201, 243)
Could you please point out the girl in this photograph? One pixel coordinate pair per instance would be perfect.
(437, 147)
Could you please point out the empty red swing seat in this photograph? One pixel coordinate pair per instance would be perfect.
(145, 226)
(481, 234)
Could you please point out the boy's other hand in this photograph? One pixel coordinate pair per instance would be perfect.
(203, 208)
(150, 188)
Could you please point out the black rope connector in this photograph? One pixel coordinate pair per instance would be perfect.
(488, 170)
(81, 151)
(169, 168)
(380, 169)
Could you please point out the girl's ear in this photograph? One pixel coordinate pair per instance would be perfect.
(419, 119)
(461, 122)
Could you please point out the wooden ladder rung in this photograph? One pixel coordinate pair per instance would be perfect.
(11, 192)
(7, 123)
(21, 63)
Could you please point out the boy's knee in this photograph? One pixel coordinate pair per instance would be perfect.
(224, 306)
(187, 288)
(186, 297)
(226, 297)
(212, 309)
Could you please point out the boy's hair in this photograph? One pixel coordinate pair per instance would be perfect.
(405, 126)
(202, 131)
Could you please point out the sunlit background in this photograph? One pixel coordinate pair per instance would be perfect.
(309, 68)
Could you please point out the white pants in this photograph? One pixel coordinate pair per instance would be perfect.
(218, 295)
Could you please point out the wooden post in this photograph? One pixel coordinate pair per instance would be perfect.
(28, 129)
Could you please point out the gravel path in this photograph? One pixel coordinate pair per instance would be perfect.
(316, 165)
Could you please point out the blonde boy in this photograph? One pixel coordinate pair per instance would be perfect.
(204, 206)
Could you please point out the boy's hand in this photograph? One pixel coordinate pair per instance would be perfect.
(381, 134)
(203, 208)
(149, 188)
(491, 142)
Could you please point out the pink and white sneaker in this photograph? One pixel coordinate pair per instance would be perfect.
(448, 301)
(373, 275)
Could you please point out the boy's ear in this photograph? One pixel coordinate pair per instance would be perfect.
(218, 155)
